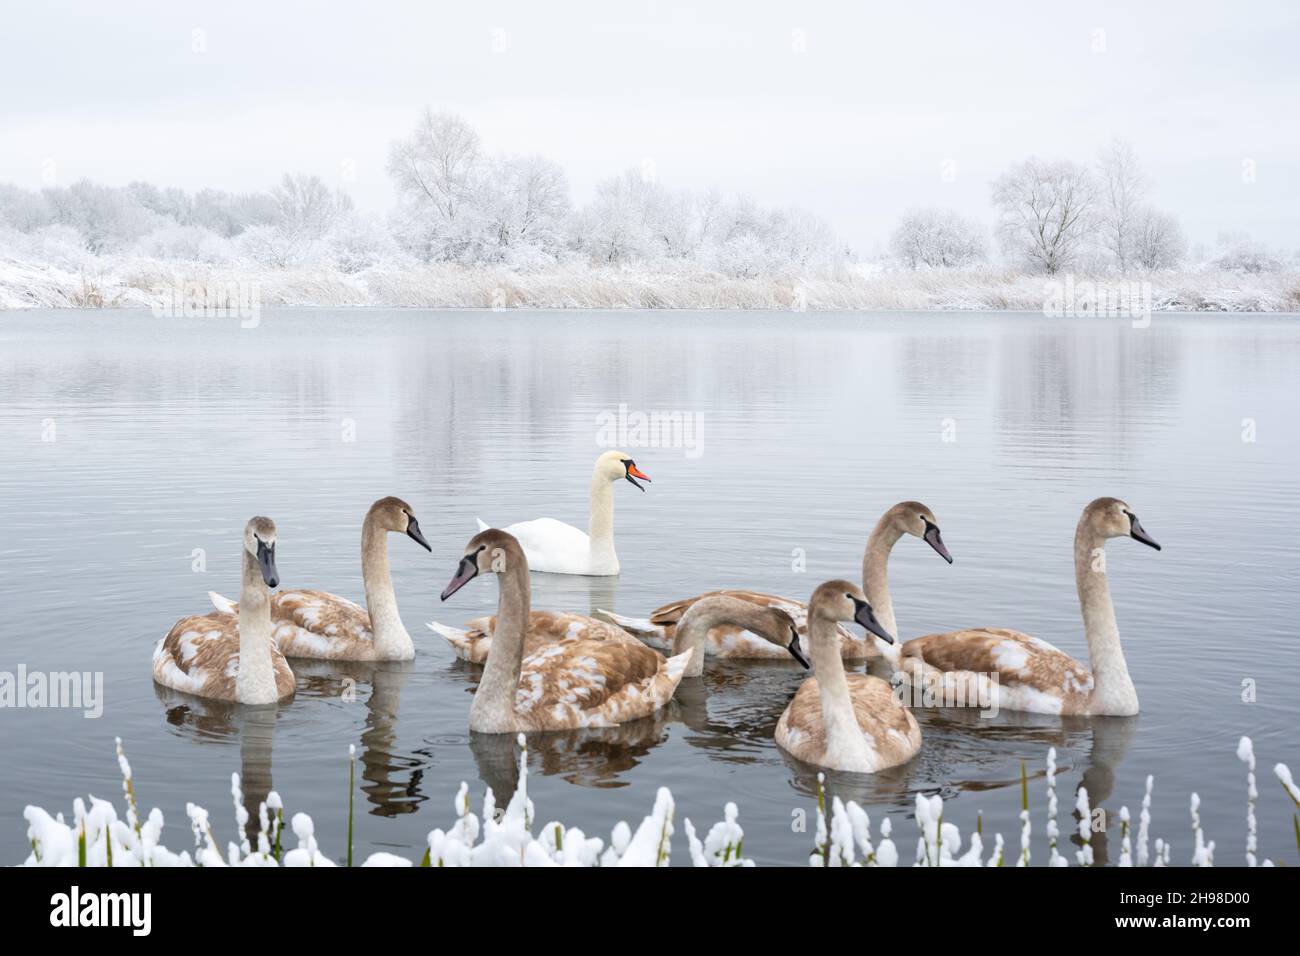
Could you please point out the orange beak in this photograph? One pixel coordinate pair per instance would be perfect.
(636, 472)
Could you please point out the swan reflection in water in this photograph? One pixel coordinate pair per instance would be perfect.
(728, 713)
(966, 753)
(210, 721)
(391, 780)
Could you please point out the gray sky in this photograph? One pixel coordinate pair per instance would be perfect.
(857, 117)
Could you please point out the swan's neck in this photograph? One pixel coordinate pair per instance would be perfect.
(846, 747)
(702, 616)
(493, 710)
(875, 582)
(600, 522)
(255, 679)
(392, 642)
(1112, 689)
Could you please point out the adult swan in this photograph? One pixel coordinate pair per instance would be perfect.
(561, 548)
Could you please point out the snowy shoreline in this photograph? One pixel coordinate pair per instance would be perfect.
(152, 283)
(99, 837)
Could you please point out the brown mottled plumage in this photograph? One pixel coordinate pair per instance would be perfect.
(1027, 674)
(592, 683)
(565, 683)
(227, 656)
(323, 626)
(729, 640)
(200, 655)
(1026, 667)
(315, 624)
(896, 737)
(845, 721)
(544, 627)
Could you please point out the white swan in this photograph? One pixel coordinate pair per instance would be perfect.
(228, 657)
(1032, 675)
(906, 517)
(566, 684)
(561, 548)
(324, 626)
(845, 721)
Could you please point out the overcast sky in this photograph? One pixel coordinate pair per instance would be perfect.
(855, 110)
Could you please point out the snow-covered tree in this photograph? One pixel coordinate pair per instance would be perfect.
(23, 209)
(1046, 212)
(229, 215)
(54, 245)
(304, 212)
(612, 229)
(436, 171)
(358, 241)
(521, 203)
(1123, 187)
(305, 207)
(1239, 252)
(107, 219)
(798, 239)
(185, 243)
(938, 239)
(1156, 240)
(171, 203)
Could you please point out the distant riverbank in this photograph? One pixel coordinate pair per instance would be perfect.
(166, 285)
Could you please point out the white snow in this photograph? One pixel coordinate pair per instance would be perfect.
(843, 838)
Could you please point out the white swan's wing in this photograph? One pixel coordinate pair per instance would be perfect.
(482, 525)
(642, 627)
(223, 604)
(471, 644)
(551, 545)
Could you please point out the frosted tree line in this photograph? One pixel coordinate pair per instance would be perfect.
(1057, 216)
(459, 204)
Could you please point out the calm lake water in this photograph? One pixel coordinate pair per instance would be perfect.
(170, 434)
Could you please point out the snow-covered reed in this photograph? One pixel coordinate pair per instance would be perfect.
(843, 835)
(1246, 754)
(1084, 812)
(1284, 775)
(1202, 853)
(1053, 832)
(1026, 828)
(144, 282)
